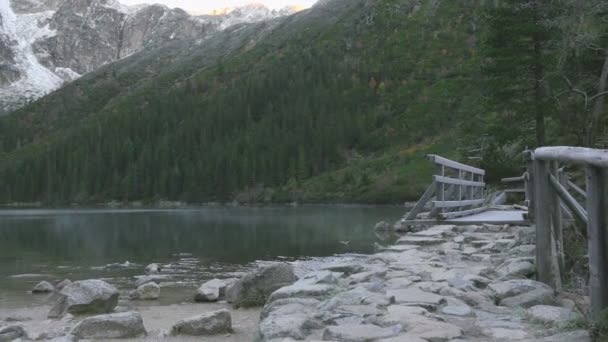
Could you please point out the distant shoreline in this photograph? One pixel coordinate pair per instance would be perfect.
(182, 205)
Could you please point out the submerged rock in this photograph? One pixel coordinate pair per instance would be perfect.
(118, 325)
(87, 296)
(43, 287)
(213, 323)
(255, 288)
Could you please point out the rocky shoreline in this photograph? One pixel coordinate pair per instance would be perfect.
(444, 283)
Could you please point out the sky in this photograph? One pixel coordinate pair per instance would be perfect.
(207, 6)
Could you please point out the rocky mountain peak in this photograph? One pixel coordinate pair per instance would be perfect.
(45, 43)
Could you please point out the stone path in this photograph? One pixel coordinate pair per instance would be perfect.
(446, 283)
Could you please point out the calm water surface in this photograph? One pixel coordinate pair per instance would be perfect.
(192, 244)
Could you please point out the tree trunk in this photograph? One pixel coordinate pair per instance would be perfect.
(538, 90)
(598, 106)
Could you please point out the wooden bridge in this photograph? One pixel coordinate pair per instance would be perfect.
(552, 200)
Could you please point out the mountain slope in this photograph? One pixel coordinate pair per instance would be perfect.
(48, 43)
(289, 101)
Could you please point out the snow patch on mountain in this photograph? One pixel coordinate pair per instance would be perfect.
(36, 80)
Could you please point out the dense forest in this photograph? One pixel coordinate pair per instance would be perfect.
(337, 103)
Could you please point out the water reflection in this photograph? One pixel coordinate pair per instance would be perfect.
(76, 242)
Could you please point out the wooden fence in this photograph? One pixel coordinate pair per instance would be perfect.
(458, 190)
(550, 199)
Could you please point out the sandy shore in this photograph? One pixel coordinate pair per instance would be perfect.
(158, 321)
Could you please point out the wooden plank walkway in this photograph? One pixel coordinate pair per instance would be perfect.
(491, 216)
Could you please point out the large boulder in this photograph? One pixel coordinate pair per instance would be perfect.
(255, 288)
(43, 287)
(147, 291)
(87, 296)
(118, 325)
(213, 323)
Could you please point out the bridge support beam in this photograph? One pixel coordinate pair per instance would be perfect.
(546, 247)
(597, 211)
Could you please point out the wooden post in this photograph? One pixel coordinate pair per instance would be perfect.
(597, 211)
(556, 220)
(529, 185)
(546, 262)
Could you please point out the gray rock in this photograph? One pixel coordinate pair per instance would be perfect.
(288, 318)
(357, 296)
(404, 338)
(211, 291)
(344, 267)
(269, 308)
(11, 333)
(460, 310)
(510, 288)
(417, 297)
(153, 269)
(118, 325)
(147, 291)
(141, 280)
(422, 326)
(213, 323)
(255, 288)
(529, 299)
(359, 333)
(420, 240)
(43, 287)
(65, 338)
(399, 314)
(523, 250)
(62, 284)
(319, 277)
(551, 314)
(382, 226)
(526, 236)
(572, 336)
(516, 268)
(86, 296)
(437, 231)
(318, 291)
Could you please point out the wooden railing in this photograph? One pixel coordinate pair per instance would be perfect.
(551, 197)
(458, 190)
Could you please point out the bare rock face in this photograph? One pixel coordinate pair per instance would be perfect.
(46, 43)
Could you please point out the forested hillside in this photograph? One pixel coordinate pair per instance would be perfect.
(337, 103)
